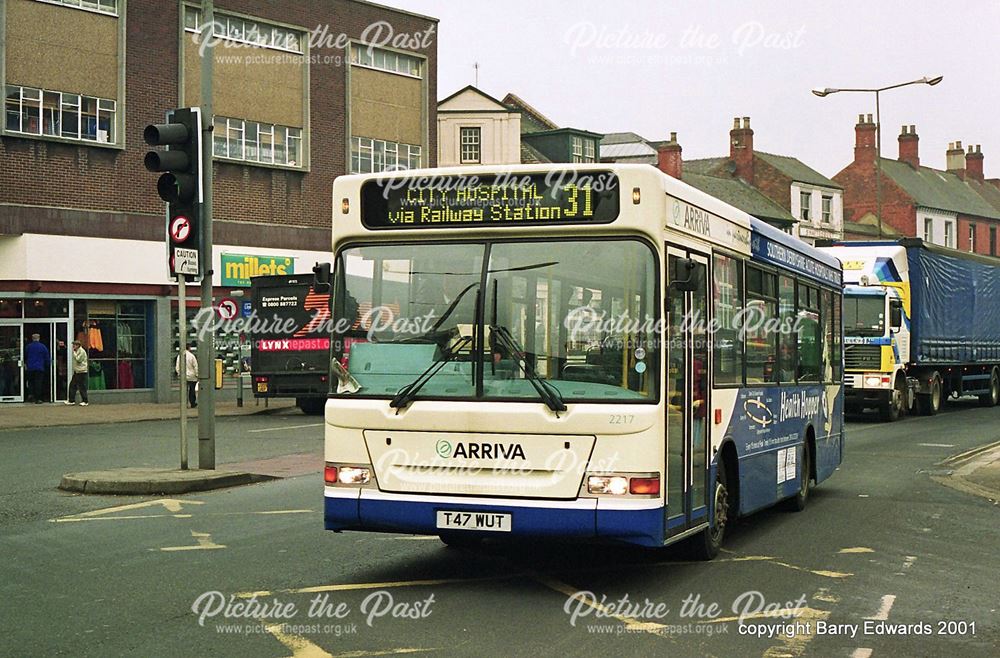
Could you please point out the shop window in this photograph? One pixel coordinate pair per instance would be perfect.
(118, 341)
(11, 308)
(46, 308)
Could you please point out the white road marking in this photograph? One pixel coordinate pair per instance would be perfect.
(884, 608)
(861, 653)
(937, 445)
(908, 562)
(204, 540)
(285, 427)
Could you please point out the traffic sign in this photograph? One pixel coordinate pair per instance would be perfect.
(186, 261)
(227, 308)
(180, 229)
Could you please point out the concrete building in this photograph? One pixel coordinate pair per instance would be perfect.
(303, 91)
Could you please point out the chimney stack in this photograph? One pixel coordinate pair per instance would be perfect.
(668, 157)
(955, 158)
(908, 146)
(974, 163)
(864, 140)
(741, 148)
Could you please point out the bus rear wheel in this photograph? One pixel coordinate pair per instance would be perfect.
(798, 503)
(706, 544)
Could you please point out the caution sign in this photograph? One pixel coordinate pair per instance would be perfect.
(186, 261)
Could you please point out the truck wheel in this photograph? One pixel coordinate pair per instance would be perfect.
(930, 403)
(992, 398)
(894, 406)
(706, 544)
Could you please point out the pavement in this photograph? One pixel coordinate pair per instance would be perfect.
(975, 471)
(137, 481)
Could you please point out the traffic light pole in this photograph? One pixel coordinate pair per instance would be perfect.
(206, 347)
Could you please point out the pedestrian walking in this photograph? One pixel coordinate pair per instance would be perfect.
(191, 370)
(80, 375)
(37, 361)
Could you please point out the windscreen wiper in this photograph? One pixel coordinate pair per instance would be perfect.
(550, 394)
(408, 392)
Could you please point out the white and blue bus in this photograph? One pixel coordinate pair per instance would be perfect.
(598, 352)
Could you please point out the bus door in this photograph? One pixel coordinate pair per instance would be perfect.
(687, 392)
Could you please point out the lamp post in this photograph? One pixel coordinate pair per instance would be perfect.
(878, 131)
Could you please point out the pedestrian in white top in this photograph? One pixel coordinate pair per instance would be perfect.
(191, 372)
(80, 375)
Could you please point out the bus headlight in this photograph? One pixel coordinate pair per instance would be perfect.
(615, 485)
(621, 484)
(347, 474)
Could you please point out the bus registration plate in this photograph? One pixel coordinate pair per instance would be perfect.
(487, 521)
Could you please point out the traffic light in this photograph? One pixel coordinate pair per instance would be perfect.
(180, 186)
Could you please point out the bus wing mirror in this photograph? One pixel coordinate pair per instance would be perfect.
(895, 314)
(683, 278)
(321, 277)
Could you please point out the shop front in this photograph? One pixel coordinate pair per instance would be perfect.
(113, 332)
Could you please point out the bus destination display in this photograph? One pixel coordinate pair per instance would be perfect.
(468, 201)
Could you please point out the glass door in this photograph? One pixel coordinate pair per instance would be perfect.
(11, 363)
(687, 390)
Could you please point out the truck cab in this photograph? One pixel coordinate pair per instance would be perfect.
(876, 329)
(876, 349)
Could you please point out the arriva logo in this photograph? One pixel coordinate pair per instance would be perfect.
(758, 412)
(470, 450)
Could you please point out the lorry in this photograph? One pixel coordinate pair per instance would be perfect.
(921, 324)
(290, 340)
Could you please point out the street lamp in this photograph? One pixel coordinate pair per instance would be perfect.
(878, 131)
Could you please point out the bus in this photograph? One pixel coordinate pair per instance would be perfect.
(585, 352)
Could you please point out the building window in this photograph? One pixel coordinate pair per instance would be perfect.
(972, 238)
(827, 209)
(249, 141)
(949, 234)
(370, 156)
(583, 150)
(471, 138)
(247, 31)
(993, 241)
(56, 114)
(109, 7)
(386, 60)
(928, 229)
(805, 203)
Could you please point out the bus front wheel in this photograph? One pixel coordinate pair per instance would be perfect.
(706, 544)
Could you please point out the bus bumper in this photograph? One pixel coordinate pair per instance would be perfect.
(637, 522)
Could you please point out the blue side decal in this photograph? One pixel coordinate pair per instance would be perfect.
(766, 422)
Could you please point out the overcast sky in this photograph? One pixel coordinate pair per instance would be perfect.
(655, 66)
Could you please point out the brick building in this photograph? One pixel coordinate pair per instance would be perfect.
(303, 91)
(955, 207)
